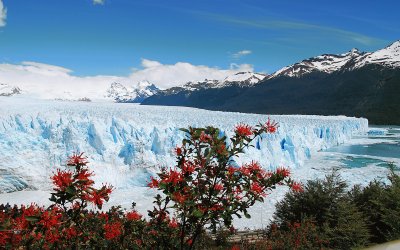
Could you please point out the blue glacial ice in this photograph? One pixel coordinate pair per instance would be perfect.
(126, 143)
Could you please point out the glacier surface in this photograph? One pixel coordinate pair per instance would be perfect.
(127, 143)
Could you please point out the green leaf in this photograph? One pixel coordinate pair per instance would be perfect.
(197, 213)
(184, 130)
(70, 190)
(32, 218)
(5, 224)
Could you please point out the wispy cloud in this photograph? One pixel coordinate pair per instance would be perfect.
(3, 14)
(282, 25)
(98, 2)
(241, 53)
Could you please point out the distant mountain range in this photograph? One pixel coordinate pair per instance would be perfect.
(355, 83)
(134, 94)
(7, 90)
(116, 92)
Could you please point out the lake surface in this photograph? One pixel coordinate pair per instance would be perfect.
(379, 147)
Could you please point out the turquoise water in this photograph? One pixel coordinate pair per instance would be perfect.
(391, 150)
(357, 156)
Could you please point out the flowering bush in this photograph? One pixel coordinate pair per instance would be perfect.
(203, 190)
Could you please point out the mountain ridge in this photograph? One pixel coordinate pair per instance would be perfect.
(353, 83)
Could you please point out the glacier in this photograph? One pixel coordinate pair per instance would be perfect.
(127, 143)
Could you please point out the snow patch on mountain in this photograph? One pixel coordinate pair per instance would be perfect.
(329, 63)
(8, 90)
(134, 94)
(389, 56)
(240, 79)
(243, 79)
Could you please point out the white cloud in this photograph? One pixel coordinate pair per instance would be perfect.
(98, 2)
(49, 81)
(146, 63)
(3, 14)
(241, 53)
(169, 75)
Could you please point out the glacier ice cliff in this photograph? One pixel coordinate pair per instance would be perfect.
(127, 143)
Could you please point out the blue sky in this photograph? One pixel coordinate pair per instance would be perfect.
(114, 37)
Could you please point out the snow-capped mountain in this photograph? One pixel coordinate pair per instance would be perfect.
(329, 63)
(134, 94)
(243, 79)
(7, 90)
(354, 83)
(389, 57)
(240, 79)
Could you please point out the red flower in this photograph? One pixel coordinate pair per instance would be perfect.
(49, 220)
(178, 197)
(32, 210)
(62, 179)
(254, 166)
(20, 223)
(178, 151)
(70, 232)
(235, 247)
(52, 236)
(244, 130)
(283, 171)
(189, 242)
(216, 207)
(98, 197)
(266, 174)
(4, 238)
(107, 189)
(77, 160)
(103, 216)
(204, 137)
(112, 230)
(173, 223)
(296, 187)
(153, 183)
(188, 167)
(245, 170)
(221, 149)
(270, 126)
(218, 187)
(231, 170)
(133, 215)
(84, 175)
(37, 236)
(95, 198)
(172, 177)
(256, 188)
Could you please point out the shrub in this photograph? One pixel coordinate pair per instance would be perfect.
(381, 204)
(303, 235)
(205, 189)
(328, 204)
